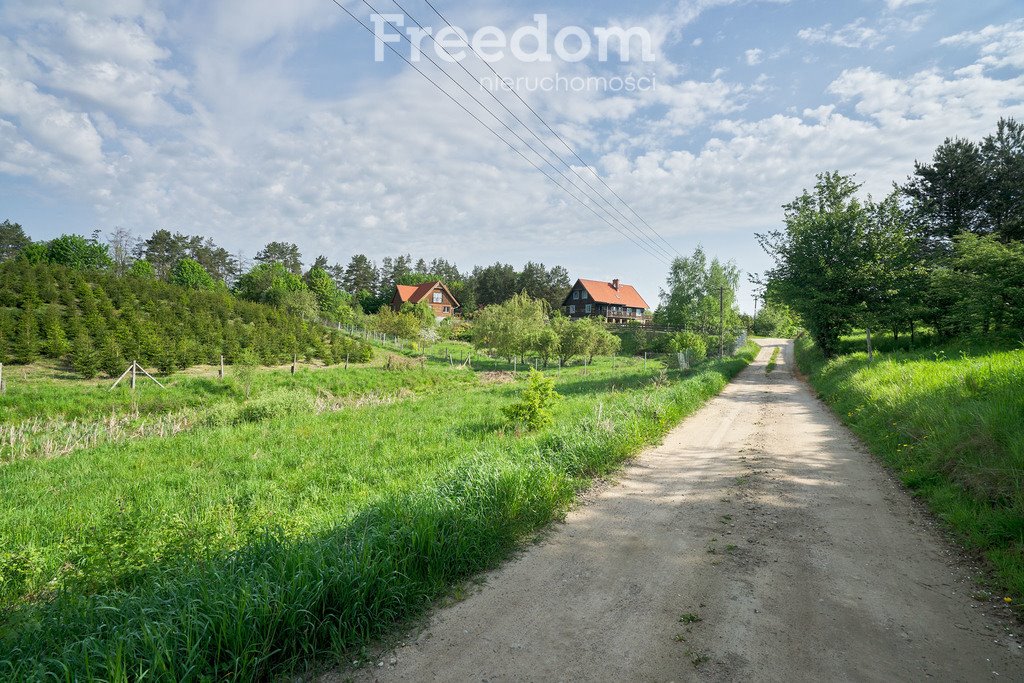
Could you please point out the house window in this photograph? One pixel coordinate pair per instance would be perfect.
(437, 297)
(576, 294)
(586, 309)
(572, 308)
(583, 294)
(446, 309)
(639, 312)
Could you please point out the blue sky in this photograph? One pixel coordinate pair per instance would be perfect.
(259, 120)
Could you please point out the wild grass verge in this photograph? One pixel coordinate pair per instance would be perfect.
(950, 422)
(772, 362)
(281, 602)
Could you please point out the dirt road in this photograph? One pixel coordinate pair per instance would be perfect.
(759, 542)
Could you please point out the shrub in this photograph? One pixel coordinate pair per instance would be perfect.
(690, 343)
(533, 410)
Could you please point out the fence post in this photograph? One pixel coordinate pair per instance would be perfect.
(221, 373)
(134, 365)
(294, 359)
(3, 388)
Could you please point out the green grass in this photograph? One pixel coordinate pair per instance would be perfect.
(253, 550)
(950, 421)
(772, 362)
(42, 392)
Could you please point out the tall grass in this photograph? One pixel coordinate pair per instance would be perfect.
(950, 421)
(344, 524)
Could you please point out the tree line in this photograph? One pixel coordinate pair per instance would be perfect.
(943, 250)
(97, 321)
(335, 291)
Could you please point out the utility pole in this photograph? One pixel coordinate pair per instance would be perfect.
(721, 322)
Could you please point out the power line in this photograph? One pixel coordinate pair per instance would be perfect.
(635, 229)
(497, 135)
(554, 132)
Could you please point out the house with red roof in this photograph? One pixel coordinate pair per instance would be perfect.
(612, 302)
(434, 294)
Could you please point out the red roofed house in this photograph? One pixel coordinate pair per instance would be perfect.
(433, 294)
(612, 301)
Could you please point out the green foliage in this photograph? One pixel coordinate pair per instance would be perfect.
(12, 240)
(190, 274)
(699, 293)
(775, 320)
(75, 251)
(533, 409)
(157, 323)
(26, 344)
(141, 269)
(284, 254)
(982, 285)
(111, 360)
(971, 188)
(511, 327)
(408, 324)
(332, 303)
(84, 359)
(692, 344)
(822, 258)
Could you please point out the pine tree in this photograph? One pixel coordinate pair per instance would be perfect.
(111, 360)
(83, 356)
(55, 341)
(26, 343)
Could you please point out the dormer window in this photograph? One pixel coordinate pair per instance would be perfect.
(437, 297)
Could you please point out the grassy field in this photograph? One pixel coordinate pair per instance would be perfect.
(286, 529)
(950, 421)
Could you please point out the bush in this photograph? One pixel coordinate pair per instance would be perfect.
(533, 410)
(690, 343)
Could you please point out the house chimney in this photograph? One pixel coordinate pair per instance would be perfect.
(615, 284)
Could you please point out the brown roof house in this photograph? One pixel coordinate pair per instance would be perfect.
(434, 294)
(612, 301)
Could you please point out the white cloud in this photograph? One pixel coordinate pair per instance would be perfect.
(754, 56)
(856, 34)
(1001, 45)
(898, 4)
